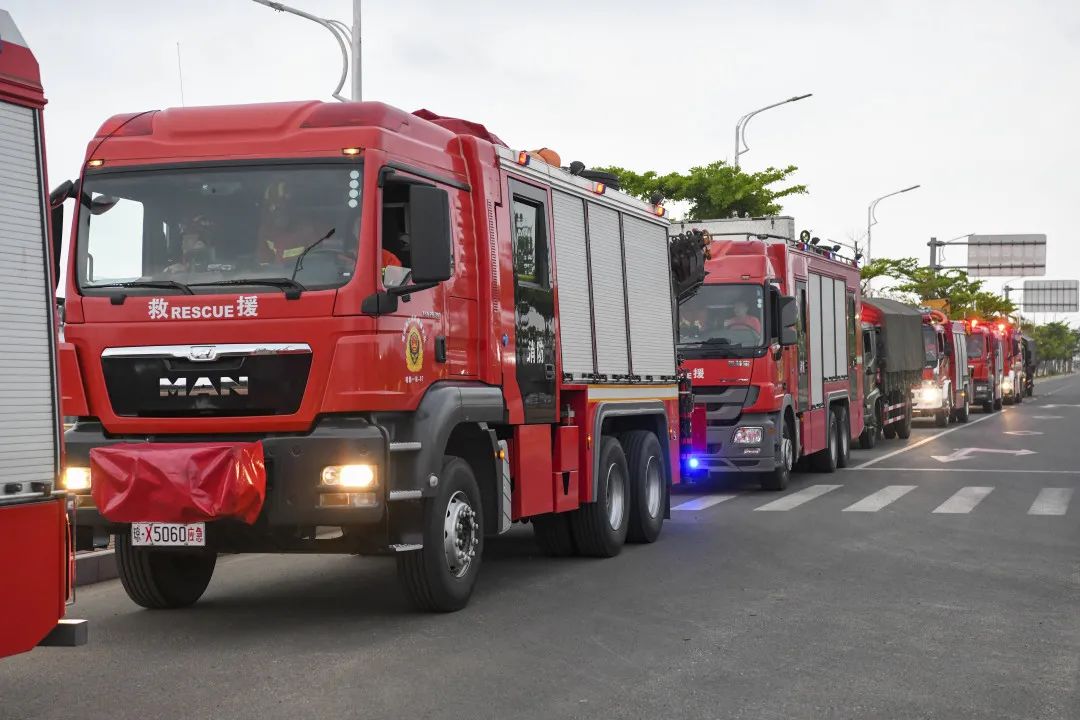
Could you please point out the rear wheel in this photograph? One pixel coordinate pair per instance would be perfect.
(162, 579)
(600, 527)
(440, 576)
(903, 428)
(785, 460)
(825, 461)
(888, 428)
(843, 429)
(553, 535)
(648, 485)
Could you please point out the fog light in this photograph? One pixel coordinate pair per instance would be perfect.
(747, 436)
(76, 478)
(359, 477)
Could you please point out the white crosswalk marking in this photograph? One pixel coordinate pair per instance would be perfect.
(878, 500)
(796, 499)
(964, 501)
(1051, 501)
(703, 502)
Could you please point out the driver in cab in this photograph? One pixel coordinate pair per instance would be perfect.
(742, 319)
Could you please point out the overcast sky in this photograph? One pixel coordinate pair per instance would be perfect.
(977, 100)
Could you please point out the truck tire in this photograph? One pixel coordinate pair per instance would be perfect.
(648, 485)
(963, 414)
(997, 404)
(870, 434)
(942, 417)
(903, 428)
(825, 461)
(440, 576)
(553, 535)
(988, 406)
(162, 579)
(843, 428)
(600, 527)
(778, 479)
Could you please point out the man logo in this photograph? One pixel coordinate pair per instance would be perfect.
(203, 387)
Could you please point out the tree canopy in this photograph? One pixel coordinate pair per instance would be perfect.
(1055, 340)
(716, 190)
(966, 297)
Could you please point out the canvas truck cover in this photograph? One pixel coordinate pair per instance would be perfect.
(901, 333)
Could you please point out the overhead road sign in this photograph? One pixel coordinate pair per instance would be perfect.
(1051, 296)
(1006, 255)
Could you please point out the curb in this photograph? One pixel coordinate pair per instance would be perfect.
(94, 567)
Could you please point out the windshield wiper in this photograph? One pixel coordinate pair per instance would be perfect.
(300, 260)
(291, 288)
(164, 284)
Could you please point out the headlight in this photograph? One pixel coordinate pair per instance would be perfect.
(352, 477)
(931, 396)
(76, 478)
(1007, 385)
(747, 436)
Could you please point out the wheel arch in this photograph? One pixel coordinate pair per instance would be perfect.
(613, 417)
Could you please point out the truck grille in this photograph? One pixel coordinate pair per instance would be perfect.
(206, 380)
(723, 405)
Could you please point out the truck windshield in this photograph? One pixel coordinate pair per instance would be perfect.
(723, 315)
(930, 345)
(975, 346)
(175, 229)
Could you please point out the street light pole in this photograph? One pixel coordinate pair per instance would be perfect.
(348, 40)
(740, 127)
(871, 220)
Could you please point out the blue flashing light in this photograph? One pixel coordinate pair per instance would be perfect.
(693, 463)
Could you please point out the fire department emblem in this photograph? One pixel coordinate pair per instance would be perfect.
(413, 336)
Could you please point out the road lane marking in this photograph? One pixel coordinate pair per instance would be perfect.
(1051, 501)
(796, 499)
(965, 453)
(1013, 471)
(876, 501)
(904, 449)
(703, 502)
(964, 501)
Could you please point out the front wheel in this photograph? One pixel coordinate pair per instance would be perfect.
(600, 527)
(785, 459)
(162, 579)
(648, 485)
(440, 576)
(843, 429)
(963, 414)
(997, 404)
(903, 429)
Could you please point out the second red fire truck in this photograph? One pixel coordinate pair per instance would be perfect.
(772, 346)
(310, 327)
(945, 392)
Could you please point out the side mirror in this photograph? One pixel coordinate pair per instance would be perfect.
(789, 318)
(948, 350)
(63, 192)
(432, 241)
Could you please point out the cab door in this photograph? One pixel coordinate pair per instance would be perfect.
(534, 301)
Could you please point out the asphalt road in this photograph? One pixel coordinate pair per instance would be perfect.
(906, 588)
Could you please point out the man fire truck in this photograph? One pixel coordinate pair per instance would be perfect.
(36, 553)
(984, 351)
(770, 342)
(252, 372)
(945, 390)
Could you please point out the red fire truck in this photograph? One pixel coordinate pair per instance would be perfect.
(772, 346)
(312, 327)
(1013, 382)
(985, 361)
(36, 553)
(945, 391)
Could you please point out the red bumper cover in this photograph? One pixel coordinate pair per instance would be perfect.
(178, 483)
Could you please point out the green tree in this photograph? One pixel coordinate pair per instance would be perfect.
(1056, 341)
(716, 190)
(920, 283)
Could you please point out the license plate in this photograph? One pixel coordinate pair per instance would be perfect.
(155, 534)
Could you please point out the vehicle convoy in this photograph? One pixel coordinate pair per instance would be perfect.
(771, 346)
(985, 361)
(345, 328)
(945, 390)
(893, 363)
(36, 551)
